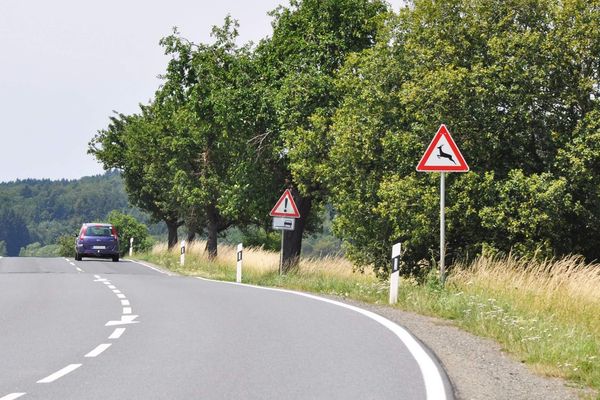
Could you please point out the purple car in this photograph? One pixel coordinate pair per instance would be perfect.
(97, 240)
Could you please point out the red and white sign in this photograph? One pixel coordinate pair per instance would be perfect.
(442, 155)
(285, 207)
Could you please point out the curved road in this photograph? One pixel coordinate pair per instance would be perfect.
(103, 330)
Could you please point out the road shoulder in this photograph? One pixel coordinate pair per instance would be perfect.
(477, 367)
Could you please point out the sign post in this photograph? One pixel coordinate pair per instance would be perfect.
(284, 214)
(130, 247)
(442, 156)
(238, 275)
(182, 257)
(394, 277)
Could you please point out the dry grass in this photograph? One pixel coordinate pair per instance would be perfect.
(258, 260)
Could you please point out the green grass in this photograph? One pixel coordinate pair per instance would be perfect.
(545, 314)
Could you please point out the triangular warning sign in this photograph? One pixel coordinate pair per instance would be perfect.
(442, 155)
(285, 206)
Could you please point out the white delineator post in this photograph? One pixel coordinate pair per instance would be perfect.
(130, 247)
(238, 275)
(395, 275)
(182, 257)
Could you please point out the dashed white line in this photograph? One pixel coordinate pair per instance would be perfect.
(59, 374)
(115, 335)
(121, 296)
(117, 291)
(71, 263)
(97, 276)
(126, 310)
(12, 396)
(111, 287)
(98, 350)
(106, 282)
(125, 303)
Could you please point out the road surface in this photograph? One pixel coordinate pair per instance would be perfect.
(95, 329)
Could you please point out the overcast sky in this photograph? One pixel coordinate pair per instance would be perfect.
(67, 64)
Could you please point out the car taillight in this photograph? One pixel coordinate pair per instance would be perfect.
(114, 232)
(82, 234)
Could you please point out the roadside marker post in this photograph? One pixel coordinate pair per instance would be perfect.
(238, 275)
(284, 214)
(447, 158)
(182, 257)
(395, 275)
(130, 247)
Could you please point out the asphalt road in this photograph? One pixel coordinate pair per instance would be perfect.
(96, 329)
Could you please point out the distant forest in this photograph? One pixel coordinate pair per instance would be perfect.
(38, 212)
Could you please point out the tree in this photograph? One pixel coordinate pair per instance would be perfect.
(496, 74)
(13, 231)
(220, 178)
(310, 42)
(138, 146)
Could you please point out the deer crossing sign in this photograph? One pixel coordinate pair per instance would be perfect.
(442, 155)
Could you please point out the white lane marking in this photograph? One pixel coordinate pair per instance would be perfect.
(111, 287)
(67, 261)
(59, 374)
(432, 377)
(98, 350)
(117, 291)
(71, 263)
(12, 396)
(97, 276)
(152, 268)
(115, 335)
(79, 269)
(121, 296)
(126, 310)
(106, 282)
(100, 280)
(125, 320)
(125, 303)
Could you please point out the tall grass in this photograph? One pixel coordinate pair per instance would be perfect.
(547, 313)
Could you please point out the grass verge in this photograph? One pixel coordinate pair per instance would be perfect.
(545, 313)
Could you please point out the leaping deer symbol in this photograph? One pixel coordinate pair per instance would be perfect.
(445, 155)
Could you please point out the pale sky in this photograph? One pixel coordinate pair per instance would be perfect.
(67, 64)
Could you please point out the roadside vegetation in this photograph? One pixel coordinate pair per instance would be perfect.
(544, 313)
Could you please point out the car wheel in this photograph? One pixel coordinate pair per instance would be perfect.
(77, 257)
(115, 258)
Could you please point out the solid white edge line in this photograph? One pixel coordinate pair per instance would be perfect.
(432, 378)
(152, 268)
(59, 374)
(115, 335)
(12, 396)
(98, 350)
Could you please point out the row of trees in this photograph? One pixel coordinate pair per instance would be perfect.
(339, 105)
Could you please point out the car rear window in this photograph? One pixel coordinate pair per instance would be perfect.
(98, 231)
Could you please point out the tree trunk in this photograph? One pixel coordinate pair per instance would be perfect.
(212, 228)
(172, 228)
(292, 240)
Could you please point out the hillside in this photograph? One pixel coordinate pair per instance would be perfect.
(39, 211)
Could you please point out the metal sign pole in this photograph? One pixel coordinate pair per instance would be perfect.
(442, 227)
(281, 255)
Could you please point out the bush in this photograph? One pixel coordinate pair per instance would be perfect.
(66, 246)
(128, 227)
